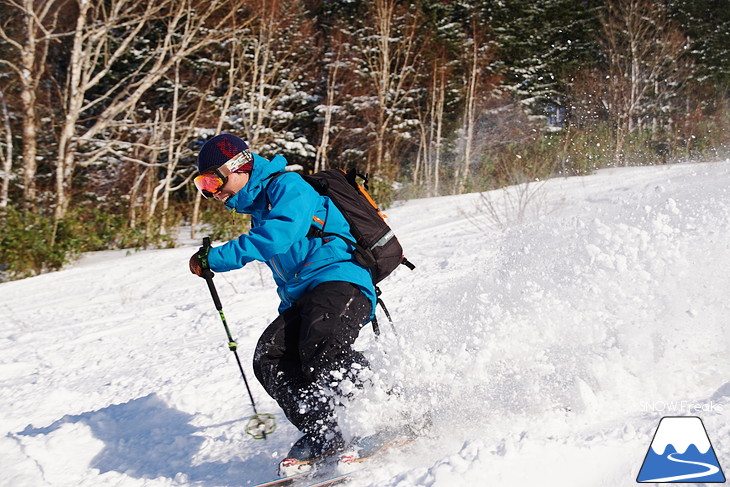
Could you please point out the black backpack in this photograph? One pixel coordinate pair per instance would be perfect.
(376, 246)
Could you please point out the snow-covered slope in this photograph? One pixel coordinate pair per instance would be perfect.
(546, 348)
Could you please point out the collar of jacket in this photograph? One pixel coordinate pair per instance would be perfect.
(243, 201)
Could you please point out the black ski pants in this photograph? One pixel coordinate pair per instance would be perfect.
(298, 352)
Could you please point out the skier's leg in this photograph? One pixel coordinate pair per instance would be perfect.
(332, 316)
(278, 368)
(298, 351)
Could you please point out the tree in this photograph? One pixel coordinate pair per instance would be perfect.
(180, 133)
(541, 44)
(707, 26)
(6, 154)
(387, 50)
(327, 109)
(432, 116)
(38, 22)
(271, 59)
(104, 34)
(644, 52)
(475, 61)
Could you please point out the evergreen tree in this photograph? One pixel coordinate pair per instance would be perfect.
(707, 24)
(541, 44)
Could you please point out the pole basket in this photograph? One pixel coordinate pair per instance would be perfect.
(259, 426)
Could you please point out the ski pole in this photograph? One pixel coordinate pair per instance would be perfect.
(259, 425)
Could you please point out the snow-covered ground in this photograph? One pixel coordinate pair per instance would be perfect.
(546, 347)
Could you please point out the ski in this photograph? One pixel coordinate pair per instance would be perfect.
(321, 471)
(286, 480)
(324, 473)
(333, 480)
(307, 479)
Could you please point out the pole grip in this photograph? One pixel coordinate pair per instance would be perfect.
(203, 253)
(207, 274)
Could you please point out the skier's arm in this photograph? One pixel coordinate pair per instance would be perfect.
(288, 221)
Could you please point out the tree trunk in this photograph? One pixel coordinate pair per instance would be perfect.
(320, 159)
(470, 114)
(7, 156)
(173, 154)
(33, 59)
(439, 133)
(30, 148)
(73, 103)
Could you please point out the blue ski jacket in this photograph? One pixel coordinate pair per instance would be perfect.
(282, 210)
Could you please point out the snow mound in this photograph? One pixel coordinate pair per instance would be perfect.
(545, 342)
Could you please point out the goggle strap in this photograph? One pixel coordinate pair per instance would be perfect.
(220, 175)
(240, 160)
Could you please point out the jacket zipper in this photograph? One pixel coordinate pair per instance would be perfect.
(276, 262)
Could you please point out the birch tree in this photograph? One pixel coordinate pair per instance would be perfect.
(643, 49)
(389, 51)
(276, 51)
(104, 33)
(328, 108)
(475, 60)
(431, 113)
(38, 22)
(179, 135)
(6, 153)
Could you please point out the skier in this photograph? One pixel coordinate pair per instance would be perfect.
(326, 296)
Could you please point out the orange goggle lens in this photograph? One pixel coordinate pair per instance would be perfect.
(210, 183)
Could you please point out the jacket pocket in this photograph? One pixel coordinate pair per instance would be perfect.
(322, 256)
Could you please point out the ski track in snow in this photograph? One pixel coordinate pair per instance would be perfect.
(541, 347)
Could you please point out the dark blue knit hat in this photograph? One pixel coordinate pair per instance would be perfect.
(218, 150)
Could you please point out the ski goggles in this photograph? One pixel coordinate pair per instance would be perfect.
(211, 181)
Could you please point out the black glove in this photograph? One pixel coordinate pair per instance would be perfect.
(199, 262)
(195, 266)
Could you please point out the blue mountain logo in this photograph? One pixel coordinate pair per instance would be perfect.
(681, 452)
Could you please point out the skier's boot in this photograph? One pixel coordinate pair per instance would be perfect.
(305, 453)
(365, 447)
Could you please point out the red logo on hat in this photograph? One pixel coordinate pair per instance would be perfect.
(229, 150)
